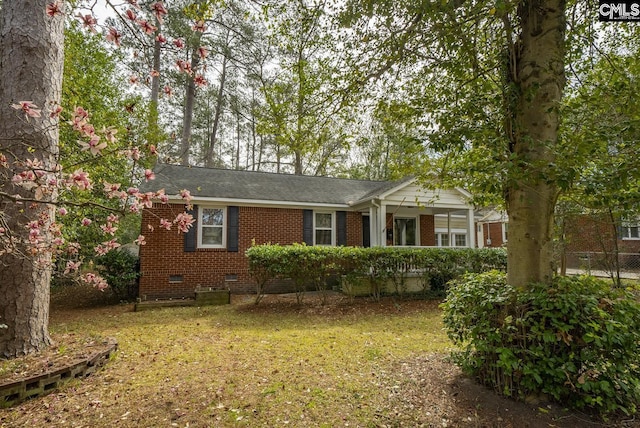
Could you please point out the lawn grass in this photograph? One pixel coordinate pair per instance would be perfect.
(272, 365)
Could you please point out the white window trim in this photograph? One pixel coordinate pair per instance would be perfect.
(407, 217)
(224, 226)
(333, 228)
(452, 239)
(505, 229)
(626, 232)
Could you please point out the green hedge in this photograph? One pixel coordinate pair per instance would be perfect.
(314, 265)
(576, 341)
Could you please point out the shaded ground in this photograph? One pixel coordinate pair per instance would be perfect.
(411, 391)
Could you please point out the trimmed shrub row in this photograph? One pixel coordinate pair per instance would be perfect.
(314, 265)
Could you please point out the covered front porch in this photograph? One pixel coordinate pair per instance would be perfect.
(407, 215)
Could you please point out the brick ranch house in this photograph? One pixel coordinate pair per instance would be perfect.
(235, 209)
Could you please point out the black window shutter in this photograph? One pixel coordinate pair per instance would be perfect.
(232, 228)
(341, 224)
(307, 227)
(191, 237)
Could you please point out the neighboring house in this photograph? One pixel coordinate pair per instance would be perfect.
(236, 209)
(591, 241)
(492, 229)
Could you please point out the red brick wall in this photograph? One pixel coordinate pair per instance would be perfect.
(354, 229)
(595, 234)
(493, 230)
(163, 255)
(427, 231)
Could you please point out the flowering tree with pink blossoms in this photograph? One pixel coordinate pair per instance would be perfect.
(34, 187)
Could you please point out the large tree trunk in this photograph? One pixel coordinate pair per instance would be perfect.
(31, 61)
(531, 193)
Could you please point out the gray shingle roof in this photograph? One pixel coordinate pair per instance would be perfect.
(249, 185)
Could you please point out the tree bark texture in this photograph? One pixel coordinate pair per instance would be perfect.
(31, 62)
(537, 75)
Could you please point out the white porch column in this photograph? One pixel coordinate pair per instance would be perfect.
(451, 243)
(382, 230)
(472, 228)
(373, 226)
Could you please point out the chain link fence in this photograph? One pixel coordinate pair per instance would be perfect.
(609, 265)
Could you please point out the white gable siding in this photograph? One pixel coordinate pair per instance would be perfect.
(443, 198)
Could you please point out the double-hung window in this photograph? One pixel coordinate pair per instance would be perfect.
(458, 238)
(323, 228)
(211, 227)
(630, 230)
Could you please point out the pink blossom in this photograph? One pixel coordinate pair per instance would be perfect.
(58, 241)
(62, 211)
(71, 267)
(200, 81)
(113, 218)
(154, 73)
(152, 150)
(114, 36)
(203, 52)
(146, 199)
(86, 222)
(184, 221)
(140, 240)
(149, 175)
(134, 3)
(179, 43)
(5, 164)
(55, 112)
(133, 79)
(133, 191)
(134, 209)
(131, 15)
(54, 9)
(146, 26)
(93, 146)
(165, 224)
(80, 179)
(184, 66)
(109, 228)
(159, 9)
(186, 195)
(150, 227)
(168, 91)
(133, 153)
(164, 198)
(199, 26)
(80, 113)
(95, 281)
(161, 39)
(110, 134)
(28, 107)
(88, 21)
(73, 248)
